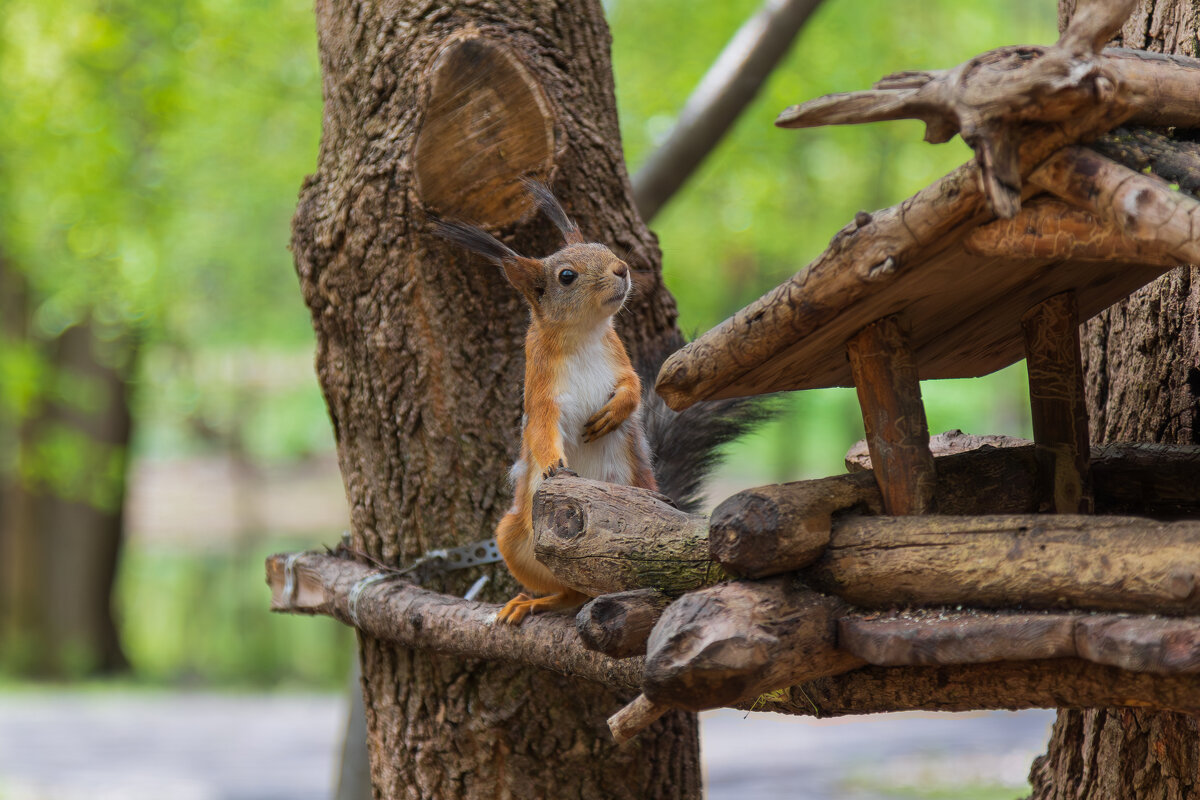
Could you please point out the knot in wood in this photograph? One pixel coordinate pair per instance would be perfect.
(568, 520)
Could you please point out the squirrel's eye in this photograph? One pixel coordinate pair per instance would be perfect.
(567, 277)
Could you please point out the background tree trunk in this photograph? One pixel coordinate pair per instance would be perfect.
(1142, 361)
(419, 355)
(62, 492)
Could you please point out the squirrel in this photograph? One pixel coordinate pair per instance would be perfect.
(583, 399)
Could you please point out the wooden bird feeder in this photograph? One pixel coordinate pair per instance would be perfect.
(1044, 573)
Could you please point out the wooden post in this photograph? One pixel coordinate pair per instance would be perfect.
(889, 392)
(1060, 424)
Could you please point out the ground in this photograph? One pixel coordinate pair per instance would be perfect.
(104, 744)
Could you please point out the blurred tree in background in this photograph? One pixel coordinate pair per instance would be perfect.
(149, 167)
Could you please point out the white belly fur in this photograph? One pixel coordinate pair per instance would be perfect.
(587, 382)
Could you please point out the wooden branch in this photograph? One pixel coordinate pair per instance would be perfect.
(634, 718)
(619, 624)
(1144, 207)
(725, 90)
(1134, 643)
(1060, 422)
(733, 641)
(1048, 228)
(634, 539)
(1015, 561)
(937, 636)
(889, 392)
(397, 611)
(997, 98)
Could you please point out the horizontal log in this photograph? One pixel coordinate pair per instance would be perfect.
(784, 527)
(600, 538)
(388, 607)
(1007, 685)
(619, 624)
(936, 636)
(1034, 561)
(947, 443)
(731, 642)
(395, 611)
(1132, 642)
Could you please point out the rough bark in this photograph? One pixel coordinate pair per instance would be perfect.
(1142, 378)
(419, 355)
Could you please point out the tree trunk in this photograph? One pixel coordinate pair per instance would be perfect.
(1142, 361)
(419, 354)
(61, 529)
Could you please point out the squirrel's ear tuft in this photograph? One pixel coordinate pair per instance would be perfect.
(475, 239)
(528, 276)
(549, 205)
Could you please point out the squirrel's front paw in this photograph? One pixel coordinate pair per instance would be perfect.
(557, 468)
(604, 421)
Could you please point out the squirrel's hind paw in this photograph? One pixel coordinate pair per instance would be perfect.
(522, 605)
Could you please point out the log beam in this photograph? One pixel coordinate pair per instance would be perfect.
(1130, 642)
(1143, 207)
(1056, 400)
(889, 392)
(784, 527)
(1034, 561)
(1048, 228)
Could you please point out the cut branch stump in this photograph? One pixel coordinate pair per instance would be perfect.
(731, 642)
(619, 624)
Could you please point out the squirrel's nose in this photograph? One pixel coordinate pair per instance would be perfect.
(620, 270)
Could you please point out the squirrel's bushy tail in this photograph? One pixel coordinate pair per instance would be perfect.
(686, 445)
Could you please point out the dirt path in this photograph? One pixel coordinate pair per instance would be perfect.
(142, 745)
